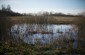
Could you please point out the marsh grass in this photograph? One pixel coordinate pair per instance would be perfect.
(10, 47)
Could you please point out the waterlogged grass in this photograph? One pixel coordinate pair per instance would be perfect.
(8, 48)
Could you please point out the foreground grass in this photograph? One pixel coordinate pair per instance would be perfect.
(8, 48)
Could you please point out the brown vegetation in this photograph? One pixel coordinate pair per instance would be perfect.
(46, 19)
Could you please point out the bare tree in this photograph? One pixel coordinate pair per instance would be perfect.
(8, 8)
(3, 8)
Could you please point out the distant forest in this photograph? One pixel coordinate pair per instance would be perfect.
(6, 11)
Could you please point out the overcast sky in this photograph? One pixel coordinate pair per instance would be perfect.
(34, 6)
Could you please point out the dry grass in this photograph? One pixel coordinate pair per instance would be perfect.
(45, 19)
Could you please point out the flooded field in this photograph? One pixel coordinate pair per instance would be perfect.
(46, 33)
(42, 27)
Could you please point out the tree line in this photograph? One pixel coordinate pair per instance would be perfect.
(7, 11)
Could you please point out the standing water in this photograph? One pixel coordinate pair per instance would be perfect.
(46, 33)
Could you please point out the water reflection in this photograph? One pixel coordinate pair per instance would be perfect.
(45, 34)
